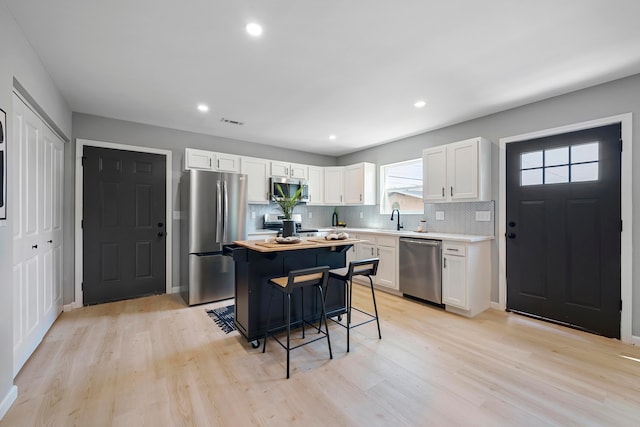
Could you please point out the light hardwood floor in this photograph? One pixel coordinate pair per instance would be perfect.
(153, 361)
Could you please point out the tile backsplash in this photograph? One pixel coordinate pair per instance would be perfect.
(461, 217)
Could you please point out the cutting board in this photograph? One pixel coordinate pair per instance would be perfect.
(323, 240)
(304, 243)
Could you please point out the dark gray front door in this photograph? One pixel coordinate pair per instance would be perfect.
(123, 224)
(563, 228)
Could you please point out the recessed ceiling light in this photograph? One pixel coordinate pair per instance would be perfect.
(332, 137)
(419, 104)
(202, 107)
(254, 29)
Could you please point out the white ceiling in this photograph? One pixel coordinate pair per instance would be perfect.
(353, 68)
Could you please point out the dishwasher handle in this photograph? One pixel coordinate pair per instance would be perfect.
(423, 242)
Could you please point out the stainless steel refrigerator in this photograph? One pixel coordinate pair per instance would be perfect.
(213, 213)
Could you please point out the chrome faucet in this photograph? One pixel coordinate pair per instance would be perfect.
(398, 226)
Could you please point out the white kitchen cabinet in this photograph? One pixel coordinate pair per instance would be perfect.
(460, 171)
(209, 160)
(257, 171)
(315, 183)
(288, 170)
(352, 253)
(334, 185)
(360, 184)
(466, 277)
(387, 267)
(386, 249)
(434, 170)
(198, 159)
(226, 162)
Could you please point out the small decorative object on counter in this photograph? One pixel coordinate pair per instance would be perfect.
(336, 236)
(422, 227)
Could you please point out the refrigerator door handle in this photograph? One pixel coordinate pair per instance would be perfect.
(219, 225)
(226, 211)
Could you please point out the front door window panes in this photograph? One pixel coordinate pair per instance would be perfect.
(577, 163)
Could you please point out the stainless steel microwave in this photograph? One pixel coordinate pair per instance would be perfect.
(289, 187)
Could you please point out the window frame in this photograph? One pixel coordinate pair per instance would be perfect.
(383, 189)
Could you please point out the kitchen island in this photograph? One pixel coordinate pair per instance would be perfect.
(258, 261)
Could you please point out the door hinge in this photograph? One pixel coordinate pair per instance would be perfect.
(620, 305)
(82, 223)
(82, 286)
(621, 143)
(620, 225)
(82, 160)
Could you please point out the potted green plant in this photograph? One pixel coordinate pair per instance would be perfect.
(286, 205)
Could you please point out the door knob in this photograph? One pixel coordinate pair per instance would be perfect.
(511, 235)
(160, 234)
(512, 224)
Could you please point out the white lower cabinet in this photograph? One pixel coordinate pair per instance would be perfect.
(466, 277)
(385, 248)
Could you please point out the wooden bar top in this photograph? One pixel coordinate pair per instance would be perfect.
(308, 243)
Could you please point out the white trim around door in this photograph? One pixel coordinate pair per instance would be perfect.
(80, 144)
(626, 261)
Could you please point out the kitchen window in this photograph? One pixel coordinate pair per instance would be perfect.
(576, 163)
(401, 187)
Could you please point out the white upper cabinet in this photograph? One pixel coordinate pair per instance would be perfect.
(211, 161)
(315, 181)
(334, 185)
(460, 171)
(288, 170)
(227, 162)
(198, 159)
(257, 171)
(434, 169)
(360, 184)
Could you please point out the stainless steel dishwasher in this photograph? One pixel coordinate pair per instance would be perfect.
(421, 269)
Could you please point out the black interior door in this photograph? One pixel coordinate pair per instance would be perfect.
(563, 228)
(123, 224)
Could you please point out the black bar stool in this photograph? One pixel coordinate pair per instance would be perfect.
(366, 267)
(316, 277)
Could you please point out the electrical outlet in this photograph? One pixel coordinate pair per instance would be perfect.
(253, 215)
(177, 215)
(310, 215)
(361, 214)
(439, 215)
(483, 215)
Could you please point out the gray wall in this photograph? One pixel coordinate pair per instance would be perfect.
(618, 97)
(123, 132)
(20, 62)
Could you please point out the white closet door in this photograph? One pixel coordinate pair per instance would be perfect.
(37, 232)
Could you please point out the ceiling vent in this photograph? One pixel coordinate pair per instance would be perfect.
(231, 122)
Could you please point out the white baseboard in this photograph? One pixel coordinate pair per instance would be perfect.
(175, 290)
(8, 400)
(69, 307)
(494, 305)
(635, 340)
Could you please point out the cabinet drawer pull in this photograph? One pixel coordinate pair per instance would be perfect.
(442, 191)
(445, 262)
(451, 191)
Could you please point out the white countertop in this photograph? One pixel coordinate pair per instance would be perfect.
(468, 238)
(263, 231)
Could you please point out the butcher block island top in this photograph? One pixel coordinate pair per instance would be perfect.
(309, 243)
